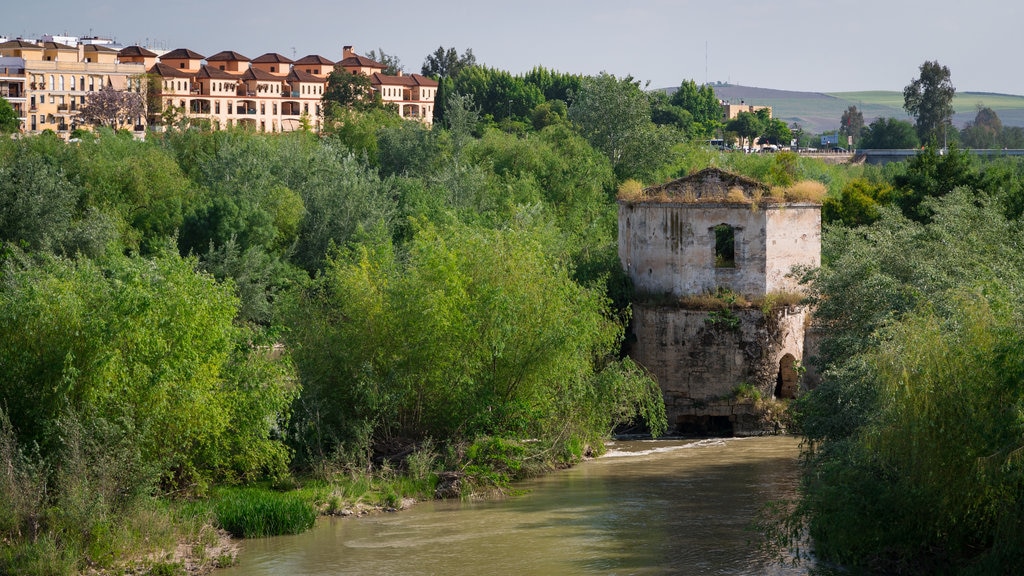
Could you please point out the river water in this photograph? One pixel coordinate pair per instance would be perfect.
(646, 507)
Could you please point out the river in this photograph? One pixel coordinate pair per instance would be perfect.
(646, 507)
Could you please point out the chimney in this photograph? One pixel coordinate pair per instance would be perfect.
(347, 52)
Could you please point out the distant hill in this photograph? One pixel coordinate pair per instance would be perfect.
(818, 112)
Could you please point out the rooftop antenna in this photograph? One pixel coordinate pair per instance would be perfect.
(293, 52)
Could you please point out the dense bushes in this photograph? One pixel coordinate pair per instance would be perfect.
(467, 332)
(915, 434)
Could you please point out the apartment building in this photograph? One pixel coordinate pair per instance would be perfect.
(47, 81)
(269, 93)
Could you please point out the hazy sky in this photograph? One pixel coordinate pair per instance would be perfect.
(806, 45)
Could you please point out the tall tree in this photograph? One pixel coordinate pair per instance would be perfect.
(112, 108)
(985, 131)
(702, 104)
(852, 122)
(929, 99)
(9, 121)
(446, 63)
(615, 117)
(392, 65)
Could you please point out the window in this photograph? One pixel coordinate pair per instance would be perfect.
(725, 246)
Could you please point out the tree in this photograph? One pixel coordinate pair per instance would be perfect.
(889, 133)
(9, 121)
(349, 90)
(852, 123)
(615, 117)
(985, 131)
(747, 126)
(444, 63)
(112, 108)
(392, 65)
(467, 332)
(929, 99)
(702, 104)
(776, 132)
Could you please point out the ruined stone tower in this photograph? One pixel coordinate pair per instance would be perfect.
(716, 313)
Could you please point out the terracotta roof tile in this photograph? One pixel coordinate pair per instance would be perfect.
(272, 57)
(181, 54)
(19, 43)
(165, 71)
(301, 76)
(360, 61)
(227, 56)
(208, 71)
(410, 80)
(314, 59)
(97, 48)
(57, 46)
(136, 51)
(261, 75)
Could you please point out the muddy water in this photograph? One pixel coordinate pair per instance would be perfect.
(662, 507)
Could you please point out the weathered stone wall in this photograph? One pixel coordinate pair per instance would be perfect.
(699, 358)
(669, 248)
(793, 238)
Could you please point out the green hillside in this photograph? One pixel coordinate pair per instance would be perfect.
(820, 112)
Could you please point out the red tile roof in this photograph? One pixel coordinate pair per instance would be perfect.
(182, 54)
(58, 46)
(356, 60)
(135, 51)
(97, 48)
(165, 71)
(301, 76)
(19, 43)
(227, 56)
(314, 59)
(261, 75)
(272, 57)
(409, 80)
(208, 71)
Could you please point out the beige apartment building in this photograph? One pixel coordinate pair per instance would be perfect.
(269, 93)
(47, 82)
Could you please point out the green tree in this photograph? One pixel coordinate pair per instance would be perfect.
(929, 99)
(702, 104)
(859, 203)
(852, 123)
(747, 126)
(348, 90)
(910, 457)
(931, 175)
(392, 65)
(472, 332)
(776, 132)
(889, 133)
(985, 131)
(112, 342)
(446, 63)
(614, 115)
(9, 121)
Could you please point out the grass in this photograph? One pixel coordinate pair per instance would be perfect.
(257, 512)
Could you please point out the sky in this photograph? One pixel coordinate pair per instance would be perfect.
(803, 45)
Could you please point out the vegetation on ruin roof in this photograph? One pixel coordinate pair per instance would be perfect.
(715, 186)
